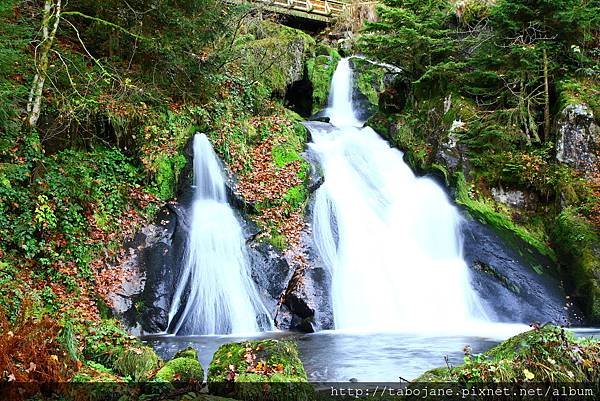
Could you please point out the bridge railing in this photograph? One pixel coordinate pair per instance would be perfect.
(331, 8)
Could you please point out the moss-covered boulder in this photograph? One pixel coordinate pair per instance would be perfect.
(183, 367)
(266, 370)
(370, 80)
(543, 354)
(320, 70)
(274, 55)
(107, 344)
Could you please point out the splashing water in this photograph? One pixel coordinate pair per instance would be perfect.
(220, 296)
(390, 240)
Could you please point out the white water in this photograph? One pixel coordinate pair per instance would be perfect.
(391, 240)
(222, 297)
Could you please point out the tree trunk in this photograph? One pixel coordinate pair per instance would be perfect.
(50, 21)
(546, 99)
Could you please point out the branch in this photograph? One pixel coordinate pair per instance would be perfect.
(104, 22)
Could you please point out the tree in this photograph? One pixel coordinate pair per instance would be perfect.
(50, 21)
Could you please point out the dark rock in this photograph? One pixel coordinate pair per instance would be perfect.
(578, 142)
(308, 296)
(514, 281)
(154, 268)
(315, 176)
(320, 118)
(270, 271)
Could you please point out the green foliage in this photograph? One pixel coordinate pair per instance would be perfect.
(107, 344)
(15, 35)
(296, 196)
(167, 175)
(577, 243)
(49, 220)
(546, 354)
(410, 33)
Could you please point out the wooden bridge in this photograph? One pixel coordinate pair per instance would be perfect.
(319, 10)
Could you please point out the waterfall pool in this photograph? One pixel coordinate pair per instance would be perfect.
(332, 356)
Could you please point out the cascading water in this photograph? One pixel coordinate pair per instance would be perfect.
(391, 240)
(220, 296)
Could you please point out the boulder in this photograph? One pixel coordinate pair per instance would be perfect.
(546, 354)
(578, 143)
(183, 367)
(266, 370)
(514, 281)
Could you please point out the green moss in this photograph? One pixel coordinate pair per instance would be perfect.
(296, 196)
(368, 79)
(276, 57)
(487, 213)
(167, 175)
(266, 369)
(277, 240)
(546, 354)
(181, 369)
(578, 245)
(320, 71)
(109, 345)
(139, 362)
(188, 352)
(580, 91)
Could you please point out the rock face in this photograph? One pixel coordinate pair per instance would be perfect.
(514, 281)
(371, 80)
(579, 139)
(306, 303)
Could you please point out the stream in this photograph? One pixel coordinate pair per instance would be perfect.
(333, 356)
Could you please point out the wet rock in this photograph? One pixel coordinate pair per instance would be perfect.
(315, 176)
(320, 118)
(578, 142)
(154, 265)
(371, 80)
(514, 281)
(307, 303)
(270, 271)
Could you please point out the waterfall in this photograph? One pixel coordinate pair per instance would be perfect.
(220, 296)
(391, 240)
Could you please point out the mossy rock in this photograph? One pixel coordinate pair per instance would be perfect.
(188, 352)
(543, 354)
(168, 169)
(266, 370)
(369, 81)
(320, 71)
(574, 91)
(578, 246)
(183, 367)
(286, 67)
(181, 370)
(138, 362)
